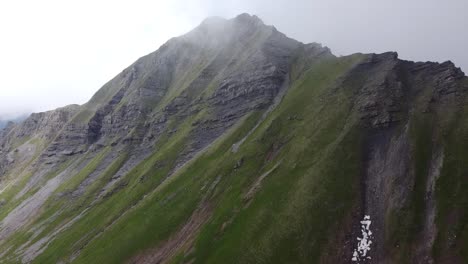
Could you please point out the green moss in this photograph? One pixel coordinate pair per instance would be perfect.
(163, 211)
(452, 199)
(74, 181)
(299, 179)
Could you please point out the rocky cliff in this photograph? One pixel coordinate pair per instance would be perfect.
(234, 143)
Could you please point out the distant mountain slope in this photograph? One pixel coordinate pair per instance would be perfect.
(4, 122)
(236, 144)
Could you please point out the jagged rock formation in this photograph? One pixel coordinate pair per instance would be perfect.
(235, 143)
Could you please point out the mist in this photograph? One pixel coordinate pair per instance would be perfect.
(54, 53)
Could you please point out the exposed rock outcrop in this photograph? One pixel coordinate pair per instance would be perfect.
(235, 143)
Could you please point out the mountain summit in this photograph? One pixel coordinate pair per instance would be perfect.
(236, 144)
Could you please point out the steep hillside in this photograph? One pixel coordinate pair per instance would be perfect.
(236, 144)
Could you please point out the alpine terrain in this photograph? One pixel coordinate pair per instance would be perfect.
(236, 144)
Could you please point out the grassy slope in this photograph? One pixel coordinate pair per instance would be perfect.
(292, 199)
(452, 198)
(310, 145)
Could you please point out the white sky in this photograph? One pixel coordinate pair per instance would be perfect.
(58, 52)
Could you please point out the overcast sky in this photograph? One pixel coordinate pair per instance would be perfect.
(58, 52)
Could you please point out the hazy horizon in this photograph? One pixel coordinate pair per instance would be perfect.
(55, 53)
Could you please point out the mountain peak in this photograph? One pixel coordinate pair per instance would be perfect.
(245, 18)
(248, 18)
(213, 20)
(216, 32)
(205, 138)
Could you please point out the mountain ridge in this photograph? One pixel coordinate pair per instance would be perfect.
(197, 141)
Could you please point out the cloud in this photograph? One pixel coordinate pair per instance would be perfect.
(55, 53)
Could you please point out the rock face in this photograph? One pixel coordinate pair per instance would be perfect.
(235, 143)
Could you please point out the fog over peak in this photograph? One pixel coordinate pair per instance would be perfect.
(56, 53)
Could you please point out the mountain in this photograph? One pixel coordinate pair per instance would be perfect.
(4, 122)
(236, 144)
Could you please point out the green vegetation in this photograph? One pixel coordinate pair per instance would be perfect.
(452, 198)
(294, 181)
(149, 212)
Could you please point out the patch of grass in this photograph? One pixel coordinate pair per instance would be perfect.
(165, 210)
(451, 195)
(288, 219)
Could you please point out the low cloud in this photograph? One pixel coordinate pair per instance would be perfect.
(55, 53)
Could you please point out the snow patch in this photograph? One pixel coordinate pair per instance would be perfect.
(364, 243)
